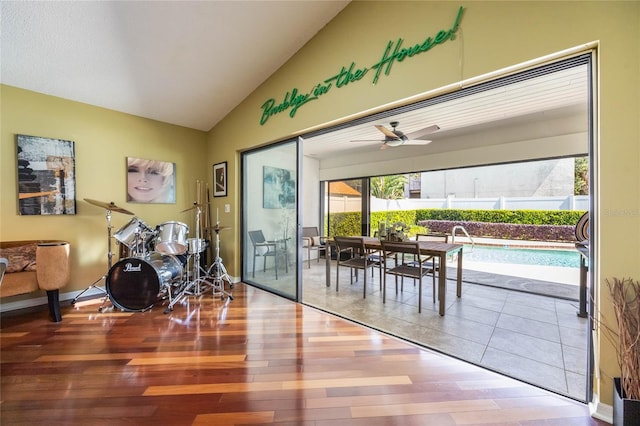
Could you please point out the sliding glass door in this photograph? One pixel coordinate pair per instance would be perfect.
(270, 218)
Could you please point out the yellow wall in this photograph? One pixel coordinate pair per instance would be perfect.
(103, 139)
(493, 35)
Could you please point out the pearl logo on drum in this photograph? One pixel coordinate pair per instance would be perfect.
(130, 268)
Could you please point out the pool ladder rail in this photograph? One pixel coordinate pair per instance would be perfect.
(453, 239)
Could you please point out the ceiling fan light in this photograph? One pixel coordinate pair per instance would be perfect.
(394, 143)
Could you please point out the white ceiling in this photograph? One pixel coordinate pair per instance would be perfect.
(187, 63)
(540, 107)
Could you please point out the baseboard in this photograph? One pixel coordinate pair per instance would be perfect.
(22, 304)
(601, 411)
(39, 301)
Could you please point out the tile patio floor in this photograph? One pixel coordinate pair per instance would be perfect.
(537, 339)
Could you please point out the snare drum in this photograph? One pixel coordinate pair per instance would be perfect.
(196, 245)
(135, 235)
(134, 284)
(172, 238)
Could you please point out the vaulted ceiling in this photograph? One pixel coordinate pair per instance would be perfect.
(185, 63)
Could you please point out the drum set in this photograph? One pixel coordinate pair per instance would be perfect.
(159, 264)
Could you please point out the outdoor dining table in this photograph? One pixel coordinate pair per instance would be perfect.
(427, 248)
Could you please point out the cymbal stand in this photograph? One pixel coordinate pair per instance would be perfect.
(104, 277)
(217, 272)
(192, 287)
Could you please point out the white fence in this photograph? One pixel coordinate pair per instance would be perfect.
(571, 202)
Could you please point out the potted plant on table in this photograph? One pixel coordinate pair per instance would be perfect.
(625, 297)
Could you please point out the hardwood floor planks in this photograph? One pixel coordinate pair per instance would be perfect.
(256, 360)
(450, 407)
(234, 418)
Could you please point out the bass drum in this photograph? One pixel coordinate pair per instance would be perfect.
(134, 284)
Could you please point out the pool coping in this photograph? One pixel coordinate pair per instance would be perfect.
(480, 241)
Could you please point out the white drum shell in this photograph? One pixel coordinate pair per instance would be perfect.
(171, 238)
(197, 245)
(127, 234)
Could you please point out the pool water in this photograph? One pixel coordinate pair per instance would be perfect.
(522, 256)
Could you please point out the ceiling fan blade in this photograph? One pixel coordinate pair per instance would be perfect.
(367, 140)
(384, 146)
(388, 133)
(423, 132)
(417, 142)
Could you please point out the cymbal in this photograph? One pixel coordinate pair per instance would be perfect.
(108, 206)
(193, 207)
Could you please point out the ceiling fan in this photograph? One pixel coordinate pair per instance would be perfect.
(394, 137)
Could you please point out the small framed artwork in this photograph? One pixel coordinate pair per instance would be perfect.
(220, 179)
(151, 181)
(46, 176)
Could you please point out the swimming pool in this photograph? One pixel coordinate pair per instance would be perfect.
(522, 256)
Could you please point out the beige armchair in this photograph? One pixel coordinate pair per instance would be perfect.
(36, 265)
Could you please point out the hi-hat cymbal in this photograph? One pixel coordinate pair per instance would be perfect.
(192, 207)
(218, 228)
(108, 206)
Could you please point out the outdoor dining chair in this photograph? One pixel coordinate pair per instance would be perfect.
(313, 241)
(416, 267)
(263, 248)
(433, 262)
(357, 257)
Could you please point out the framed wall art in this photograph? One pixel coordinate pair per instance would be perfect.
(151, 181)
(279, 188)
(46, 176)
(220, 179)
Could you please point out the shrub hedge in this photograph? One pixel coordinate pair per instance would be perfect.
(508, 231)
(540, 225)
(525, 217)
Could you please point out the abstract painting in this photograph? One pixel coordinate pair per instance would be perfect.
(279, 188)
(46, 176)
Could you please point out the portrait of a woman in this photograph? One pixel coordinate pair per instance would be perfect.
(150, 181)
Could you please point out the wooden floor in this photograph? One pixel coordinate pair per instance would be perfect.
(256, 360)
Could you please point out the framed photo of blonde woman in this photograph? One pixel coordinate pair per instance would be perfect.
(151, 181)
(220, 179)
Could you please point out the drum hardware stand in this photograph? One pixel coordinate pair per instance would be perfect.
(108, 208)
(196, 280)
(194, 287)
(138, 243)
(217, 271)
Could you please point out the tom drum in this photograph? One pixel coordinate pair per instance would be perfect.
(135, 235)
(172, 238)
(197, 245)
